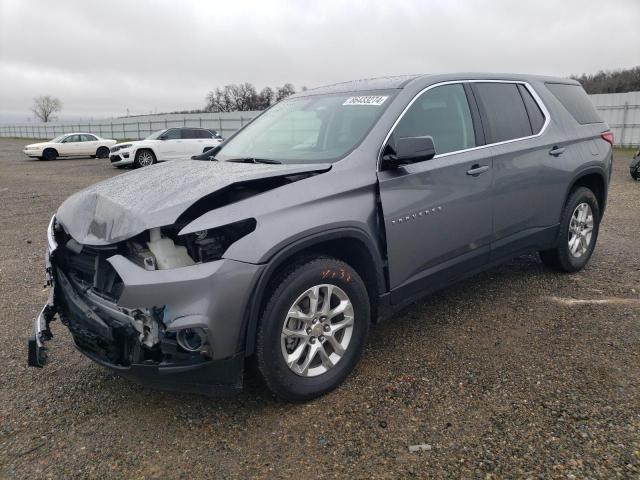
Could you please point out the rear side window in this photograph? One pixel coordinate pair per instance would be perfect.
(576, 101)
(505, 111)
(189, 133)
(443, 113)
(536, 117)
(203, 134)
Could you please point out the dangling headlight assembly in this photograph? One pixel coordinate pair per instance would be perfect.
(163, 249)
(208, 245)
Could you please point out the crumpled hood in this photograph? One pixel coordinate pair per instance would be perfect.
(126, 205)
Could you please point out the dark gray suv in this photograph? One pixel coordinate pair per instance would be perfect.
(331, 210)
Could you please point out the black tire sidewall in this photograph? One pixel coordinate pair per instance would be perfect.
(280, 379)
(49, 155)
(568, 261)
(100, 150)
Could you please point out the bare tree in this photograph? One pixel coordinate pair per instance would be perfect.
(45, 106)
(265, 98)
(617, 81)
(244, 96)
(284, 91)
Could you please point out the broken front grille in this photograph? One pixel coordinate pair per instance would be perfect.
(89, 267)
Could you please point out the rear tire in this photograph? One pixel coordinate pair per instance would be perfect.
(321, 343)
(102, 152)
(144, 158)
(49, 154)
(635, 174)
(579, 226)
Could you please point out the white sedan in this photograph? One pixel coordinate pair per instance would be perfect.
(70, 145)
(163, 145)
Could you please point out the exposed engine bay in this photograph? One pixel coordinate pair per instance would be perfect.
(149, 334)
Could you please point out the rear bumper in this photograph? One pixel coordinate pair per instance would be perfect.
(212, 296)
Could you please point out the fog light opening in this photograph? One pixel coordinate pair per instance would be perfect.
(191, 339)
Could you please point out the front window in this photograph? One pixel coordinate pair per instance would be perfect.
(322, 128)
(155, 135)
(442, 113)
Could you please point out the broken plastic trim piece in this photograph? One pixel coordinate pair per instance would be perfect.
(37, 352)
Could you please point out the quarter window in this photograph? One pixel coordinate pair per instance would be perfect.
(576, 101)
(505, 111)
(442, 113)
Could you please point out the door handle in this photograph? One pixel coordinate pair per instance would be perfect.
(477, 169)
(557, 151)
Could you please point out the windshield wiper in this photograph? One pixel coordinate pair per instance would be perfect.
(254, 160)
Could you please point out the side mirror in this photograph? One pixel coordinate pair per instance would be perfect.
(410, 150)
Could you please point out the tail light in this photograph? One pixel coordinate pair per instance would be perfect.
(607, 137)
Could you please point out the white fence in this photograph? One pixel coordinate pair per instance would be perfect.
(620, 110)
(132, 128)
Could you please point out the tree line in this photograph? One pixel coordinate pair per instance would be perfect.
(244, 97)
(615, 81)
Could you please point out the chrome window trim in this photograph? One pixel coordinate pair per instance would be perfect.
(534, 94)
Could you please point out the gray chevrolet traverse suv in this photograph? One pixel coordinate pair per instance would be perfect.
(331, 210)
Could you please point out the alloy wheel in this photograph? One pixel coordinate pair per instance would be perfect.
(145, 158)
(317, 330)
(580, 230)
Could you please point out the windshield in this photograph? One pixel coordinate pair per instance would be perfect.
(312, 129)
(57, 139)
(155, 135)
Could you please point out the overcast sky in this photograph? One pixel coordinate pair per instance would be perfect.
(102, 57)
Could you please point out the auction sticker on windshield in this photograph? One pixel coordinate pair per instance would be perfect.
(375, 100)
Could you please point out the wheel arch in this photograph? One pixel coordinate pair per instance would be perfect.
(350, 245)
(50, 148)
(593, 178)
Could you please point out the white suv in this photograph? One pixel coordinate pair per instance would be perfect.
(167, 144)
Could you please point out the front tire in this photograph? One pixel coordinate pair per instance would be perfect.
(144, 158)
(313, 329)
(579, 226)
(49, 154)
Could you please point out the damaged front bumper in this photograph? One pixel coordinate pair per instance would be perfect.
(208, 296)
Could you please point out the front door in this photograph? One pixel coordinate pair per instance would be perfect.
(438, 213)
(71, 146)
(170, 146)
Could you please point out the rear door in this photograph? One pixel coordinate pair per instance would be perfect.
(193, 142)
(525, 168)
(438, 213)
(89, 144)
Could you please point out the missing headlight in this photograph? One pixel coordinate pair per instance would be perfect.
(209, 245)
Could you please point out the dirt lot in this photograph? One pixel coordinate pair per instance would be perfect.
(498, 378)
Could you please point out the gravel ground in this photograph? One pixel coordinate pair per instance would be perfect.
(496, 376)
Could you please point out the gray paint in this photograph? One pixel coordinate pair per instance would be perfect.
(126, 205)
(521, 193)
